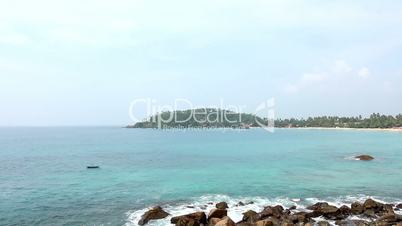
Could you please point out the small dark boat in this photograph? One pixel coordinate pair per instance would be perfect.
(92, 167)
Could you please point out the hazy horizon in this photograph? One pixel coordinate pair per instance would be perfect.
(74, 63)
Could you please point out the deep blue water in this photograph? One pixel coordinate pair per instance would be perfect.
(44, 180)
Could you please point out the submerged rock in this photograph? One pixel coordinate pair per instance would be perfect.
(240, 204)
(364, 157)
(153, 214)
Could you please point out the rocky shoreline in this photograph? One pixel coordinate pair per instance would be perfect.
(367, 213)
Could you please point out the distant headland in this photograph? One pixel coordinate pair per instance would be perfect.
(220, 118)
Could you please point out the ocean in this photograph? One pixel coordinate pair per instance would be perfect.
(44, 179)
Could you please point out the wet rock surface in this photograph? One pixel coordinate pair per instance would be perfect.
(154, 213)
(370, 213)
(364, 157)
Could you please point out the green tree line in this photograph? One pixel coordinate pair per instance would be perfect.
(374, 121)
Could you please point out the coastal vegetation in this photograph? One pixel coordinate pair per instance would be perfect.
(219, 118)
(201, 118)
(373, 121)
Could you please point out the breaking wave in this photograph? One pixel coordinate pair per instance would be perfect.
(207, 202)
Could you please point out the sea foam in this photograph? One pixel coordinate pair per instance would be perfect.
(207, 202)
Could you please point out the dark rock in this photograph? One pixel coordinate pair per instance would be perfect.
(153, 214)
(387, 209)
(357, 208)
(213, 221)
(318, 205)
(250, 216)
(371, 204)
(225, 221)
(324, 209)
(399, 206)
(268, 222)
(342, 213)
(240, 204)
(292, 208)
(264, 223)
(352, 223)
(274, 211)
(222, 205)
(244, 204)
(245, 224)
(297, 218)
(302, 217)
(187, 222)
(323, 223)
(388, 219)
(373, 208)
(192, 219)
(369, 213)
(364, 157)
(217, 213)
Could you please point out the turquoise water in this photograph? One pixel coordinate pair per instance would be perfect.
(44, 180)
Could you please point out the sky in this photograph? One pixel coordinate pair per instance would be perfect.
(84, 62)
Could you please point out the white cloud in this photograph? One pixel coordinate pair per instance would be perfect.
(291, 88)
(313, 77)
(15, 39)
(364, 72)
(306, 80)
(341, 67)
(340, 70)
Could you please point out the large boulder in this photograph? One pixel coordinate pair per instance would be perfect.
(342, 213)
(268, 222)
(217, 213)
(357, 208)
(213, 221)
(154, 213)
(192, 219)
(264, 223)
(274, 211)
(389, 219)
(250, 216)
(226, 221)
(244, 224)
(324, 209)
(222, 205)
(371, 204)
(364, 157)
(299, 218)
(323, 223)
(373, 208)
(318, 205)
